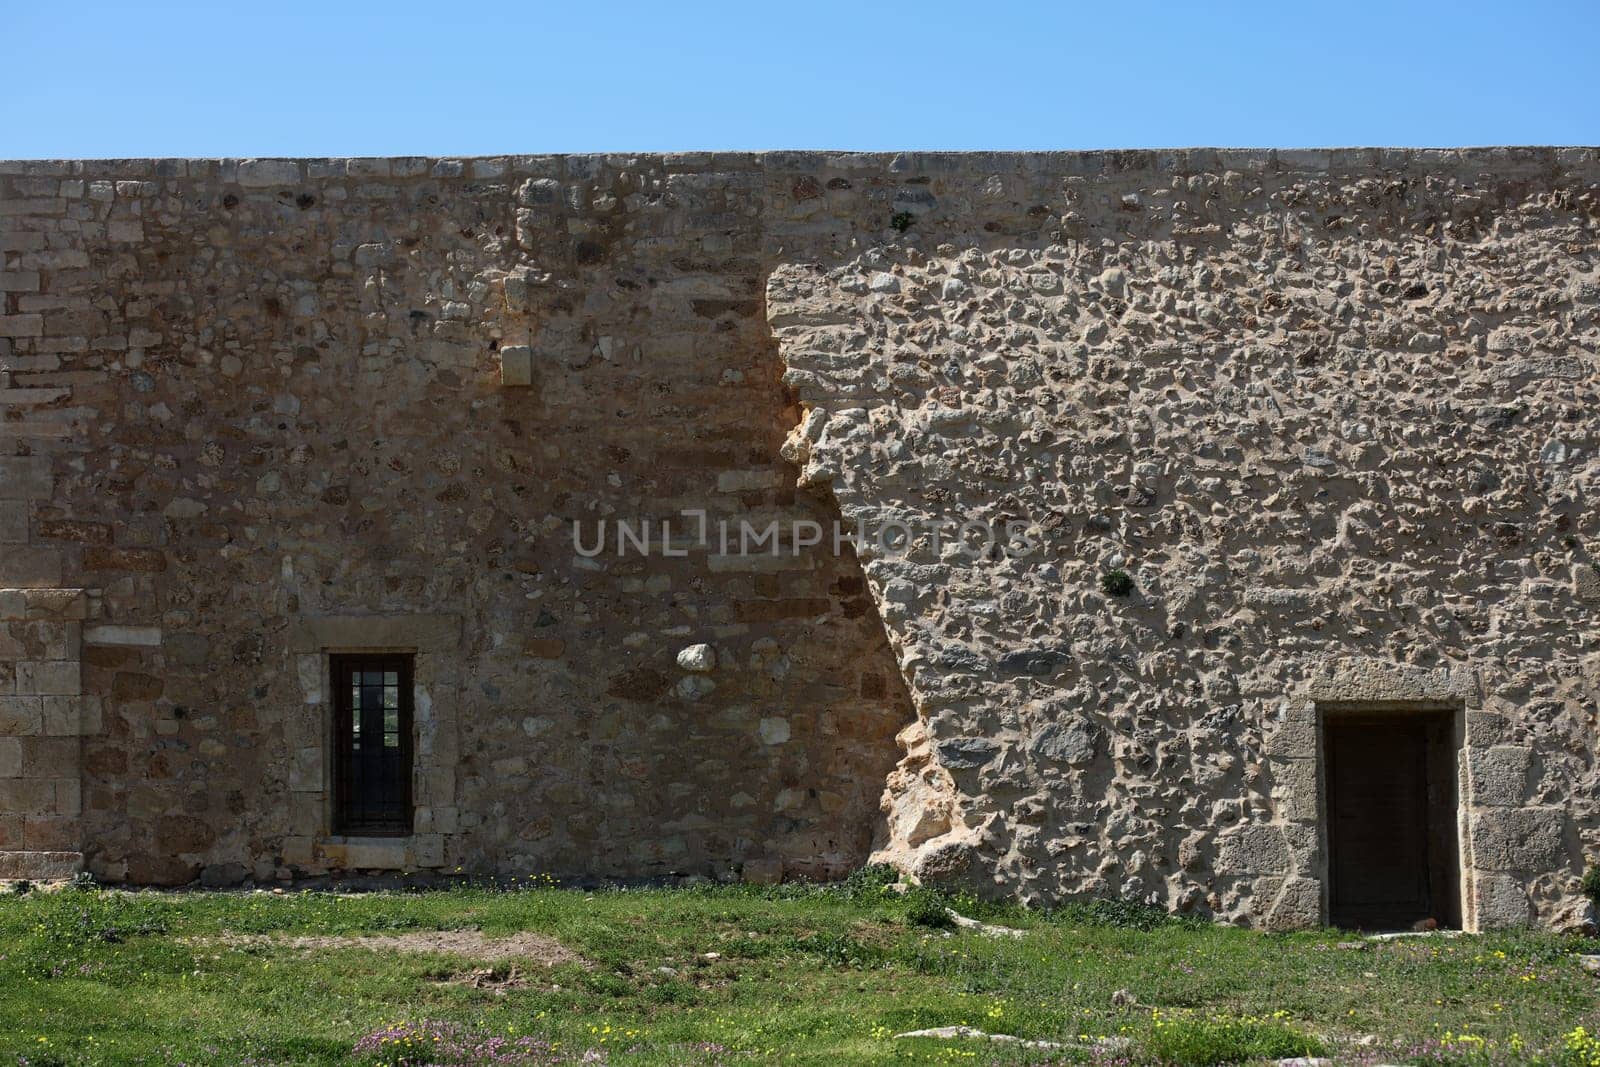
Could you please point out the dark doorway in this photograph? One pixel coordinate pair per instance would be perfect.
(373, 745)
(1392, 820)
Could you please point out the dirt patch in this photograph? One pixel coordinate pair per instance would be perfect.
(524, 948)
(497, 980)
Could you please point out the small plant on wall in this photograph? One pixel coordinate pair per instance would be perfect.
(901, 221)
(1116, 583)
(1591, 884)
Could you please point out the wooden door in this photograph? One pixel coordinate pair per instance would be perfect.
(1378, 823)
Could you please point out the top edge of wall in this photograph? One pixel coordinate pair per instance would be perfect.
(277, 169)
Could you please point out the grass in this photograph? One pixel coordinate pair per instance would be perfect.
(792, 975)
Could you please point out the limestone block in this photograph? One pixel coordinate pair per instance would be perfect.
(375, 854)
(187, 650)
(1297, 785)
(49, 678)
(21, 716)
(68, 795)
(13, 525)
(265, 173)
(306, 813)
(427, 850)
(306, 773)
(63, 716)
(25, 478)
(28, 796)
(1586, 582)
(1294, 737)
(50, 757)
(1297, 907)
(40, 866)
(308, 669)
(1499, 775)
(433, 633)
(774, 731)
(1487, 728)
(10, 758)
(1527, 840)
(1367, 681)
(30, 566)
(1502, 901)
(128, 636)
(52, 833)
(1252, 849)
(63, 604)
(21, 326)
(516, 365)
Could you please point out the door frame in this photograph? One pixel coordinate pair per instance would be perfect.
(1446, 800)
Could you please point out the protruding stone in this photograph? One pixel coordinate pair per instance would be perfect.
(700, 658)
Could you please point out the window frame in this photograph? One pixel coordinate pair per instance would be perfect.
(341, 667)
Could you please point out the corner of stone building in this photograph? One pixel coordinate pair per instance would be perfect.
(43, 710)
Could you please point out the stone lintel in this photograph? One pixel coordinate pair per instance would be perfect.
(430, 633)
(1362, 681)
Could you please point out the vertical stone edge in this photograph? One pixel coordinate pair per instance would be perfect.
(42, 721)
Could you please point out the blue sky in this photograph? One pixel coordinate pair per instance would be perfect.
(218, 79)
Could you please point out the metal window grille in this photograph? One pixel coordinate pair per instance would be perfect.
(373, 746)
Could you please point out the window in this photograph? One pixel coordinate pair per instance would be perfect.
(372, 745)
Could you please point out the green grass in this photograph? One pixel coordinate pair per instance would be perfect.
(789, 975)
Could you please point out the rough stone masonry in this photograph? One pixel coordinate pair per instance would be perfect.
(1332, 413)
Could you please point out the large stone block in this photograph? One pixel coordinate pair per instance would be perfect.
(126, 636)
(40, 866)
(55, 604)
(13, 525)
(30, 566)
(50, 757)
(374, 854)
(1499, 775)
(21, 716)
(28, 796)
(267, 173)
(25, 478)
(49, 678)
(135, 560)
(1502, 901)
(52, 833)
(1252, 849)
(1297, 789)
(516, 365)
(306, 770)
(1523, 840)
(1297, 907)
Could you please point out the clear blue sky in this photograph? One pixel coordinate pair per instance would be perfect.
(244, 79)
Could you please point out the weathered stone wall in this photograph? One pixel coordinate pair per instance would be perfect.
(1339, 427)
(257, 408)
(42, 716)
(1330, 410)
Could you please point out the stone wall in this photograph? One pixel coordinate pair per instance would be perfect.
(1339, 429)
(257, 408)
(42, 717)
(1331, 412)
